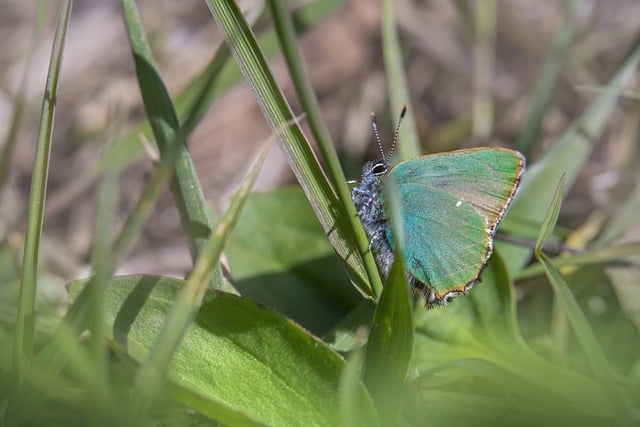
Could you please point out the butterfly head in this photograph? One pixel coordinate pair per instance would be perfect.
(375, 168)
(368, 189)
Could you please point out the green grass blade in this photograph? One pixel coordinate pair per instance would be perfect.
(577, 320)
(352, 405)
(486, 17)
(8, 147)
(276, 109)
(609, 254)
(549, 222)
(287, 37)
(390, 345)
(215, 80)
(107, 198)
(397, 84)
(185, 186)
(190, 297)
(548, 79)
(53, 354)
(624, 219)
(567, 156)
(23, 344)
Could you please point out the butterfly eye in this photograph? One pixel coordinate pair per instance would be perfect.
(379, 169)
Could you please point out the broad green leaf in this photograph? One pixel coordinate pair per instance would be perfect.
(279, 255)
(350, 333)
(239, 363)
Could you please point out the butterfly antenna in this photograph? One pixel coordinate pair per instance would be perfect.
(397, 131)
(374, 125)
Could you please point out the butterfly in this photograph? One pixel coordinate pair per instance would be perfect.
(450, 206)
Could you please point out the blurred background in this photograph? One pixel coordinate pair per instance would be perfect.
(449, 69)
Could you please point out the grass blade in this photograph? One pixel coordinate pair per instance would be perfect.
(577, 319)
(171, 139)
(23, 344)
(190, 297)
(567, 156)
(6, 153)
(301, 158)
(287, 37)
(484, 65)
(397, 84)
(548, 79)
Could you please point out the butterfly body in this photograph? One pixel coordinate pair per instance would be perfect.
(450, 207)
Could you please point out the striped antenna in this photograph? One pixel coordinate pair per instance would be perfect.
(374, 125)
(397, 131)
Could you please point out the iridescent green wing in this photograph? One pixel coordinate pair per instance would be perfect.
(451, 204)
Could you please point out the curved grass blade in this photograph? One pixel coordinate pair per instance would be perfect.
(579, 323)
(610, 254)
(624, 219)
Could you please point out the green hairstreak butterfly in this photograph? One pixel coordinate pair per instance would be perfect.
(450, 207)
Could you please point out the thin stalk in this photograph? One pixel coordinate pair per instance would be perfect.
(25, 323)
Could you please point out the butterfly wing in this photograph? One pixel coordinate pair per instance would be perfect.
(451, 205)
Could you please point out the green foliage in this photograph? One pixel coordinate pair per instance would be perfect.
(301, 332)
(233, 352)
